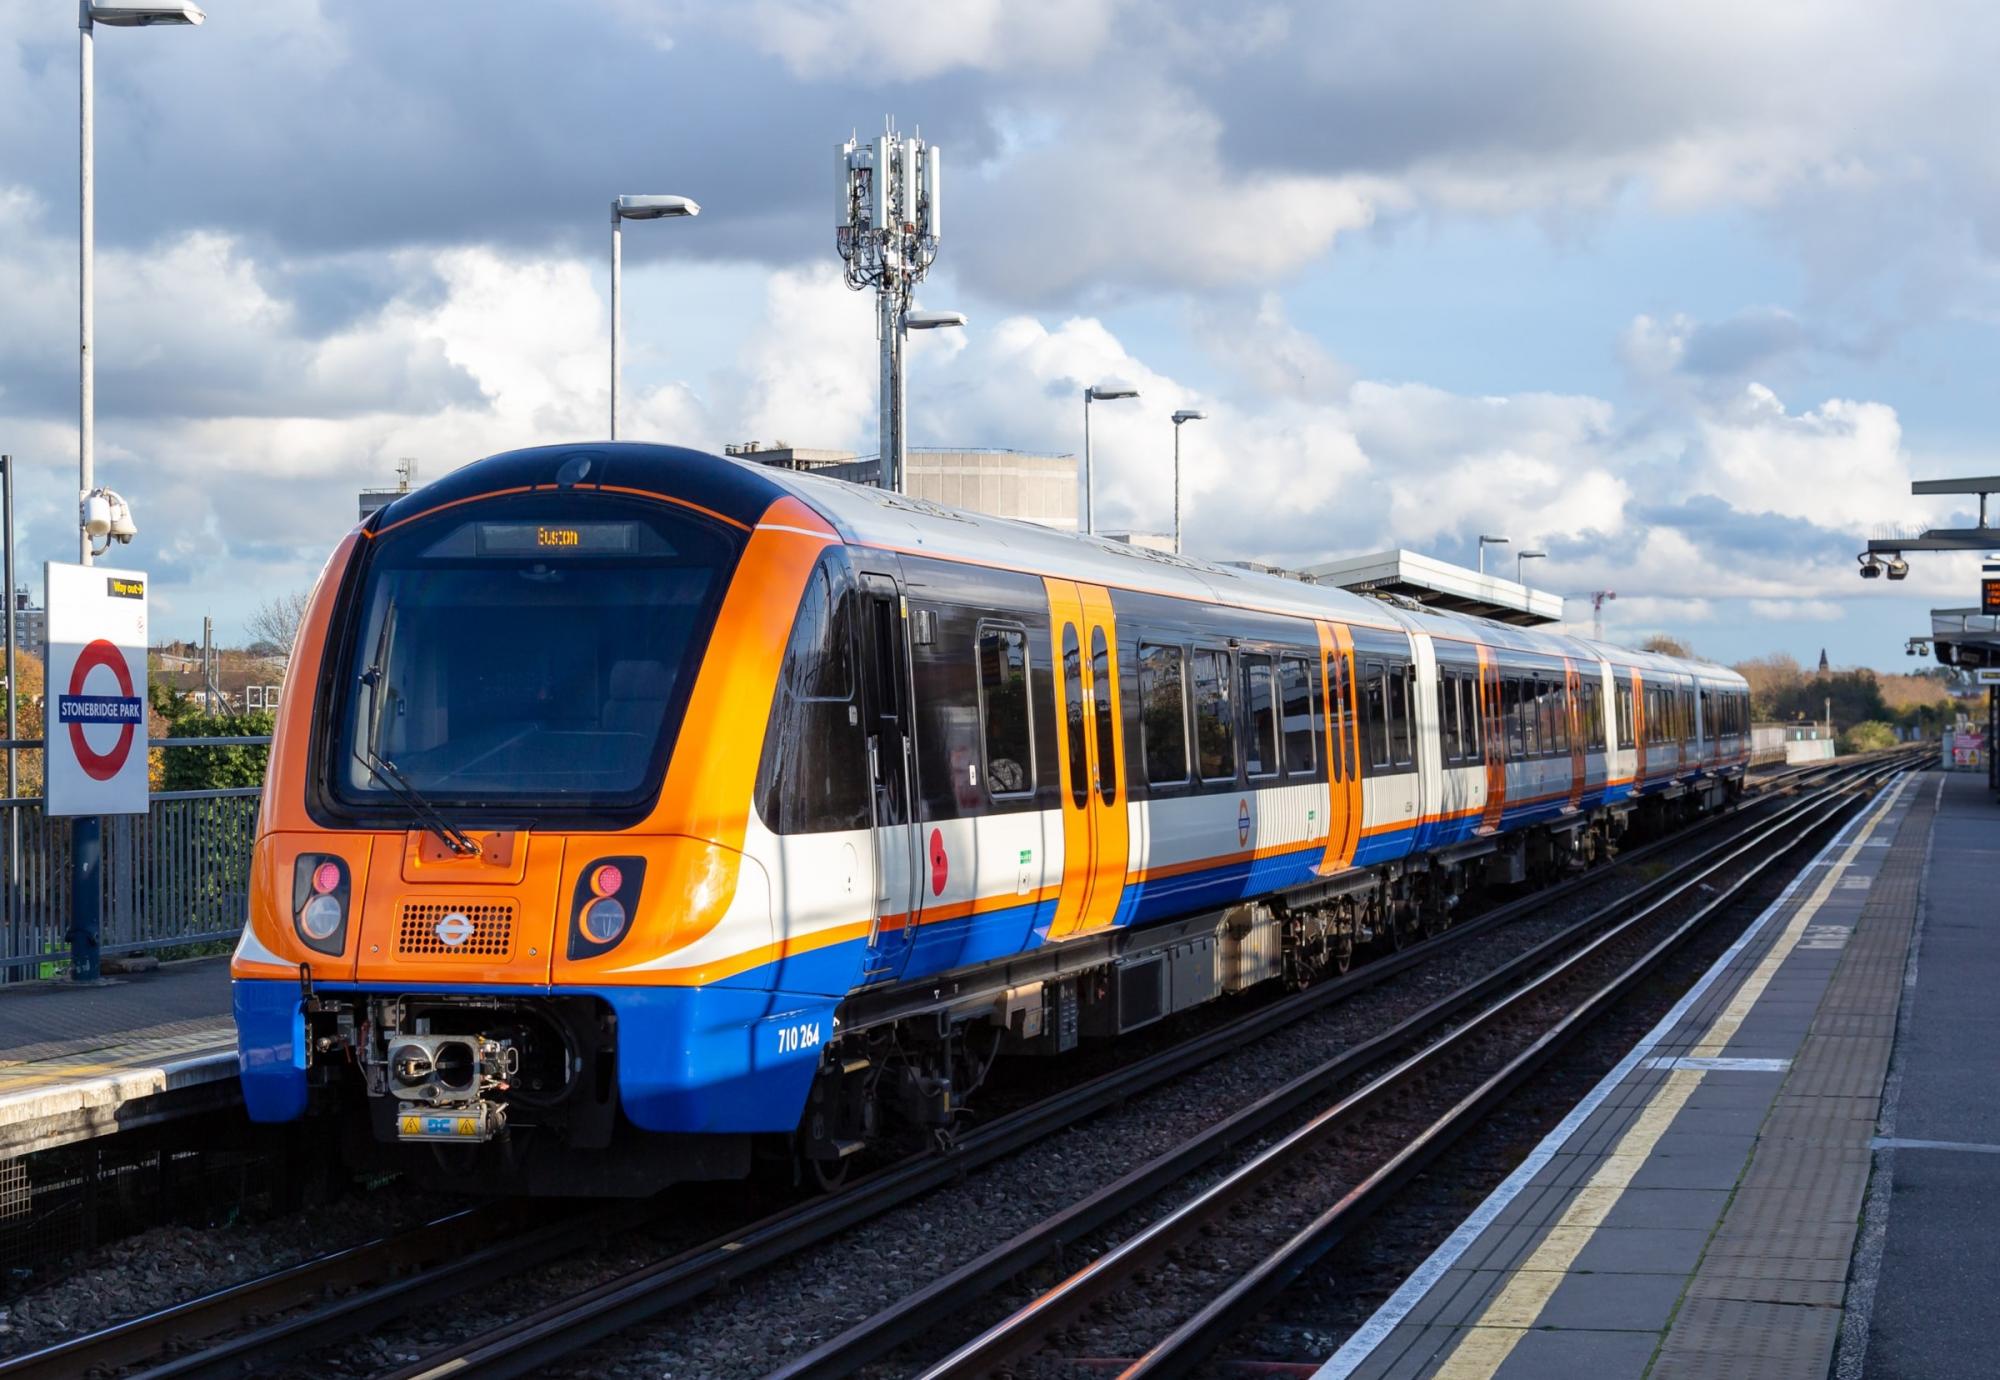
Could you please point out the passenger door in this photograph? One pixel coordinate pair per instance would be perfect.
(1090, 731)
(1493, 735)
(892, 768)
(1343, 834)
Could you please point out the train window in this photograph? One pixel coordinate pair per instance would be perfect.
(1475, 725)
(1562, 715)
(1079, 760)
(1214, 717)
(1003, 704)
(1447, 696)
(1260, 716)
(1336, 712)
(814, 774)
(1345, 733)
(1101, 675)
(1163, 713)
(1298, 688)
(1510, 716)
(1375, 712)
(1401, 679)
(1623, 712)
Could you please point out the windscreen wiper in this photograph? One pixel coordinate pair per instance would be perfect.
(383, 770)
(449, 834)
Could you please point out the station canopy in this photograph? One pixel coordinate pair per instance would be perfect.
(1441, 585)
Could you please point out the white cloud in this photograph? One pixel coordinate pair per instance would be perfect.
(911, 40)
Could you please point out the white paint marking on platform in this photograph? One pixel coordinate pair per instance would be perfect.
(1371, 1334)
(1963, 1146)
(1717, 1063)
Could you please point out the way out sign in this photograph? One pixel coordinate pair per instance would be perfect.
(95, 711)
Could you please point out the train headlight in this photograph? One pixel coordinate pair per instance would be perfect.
(321, 918)
(602, 907)
(320, 892)
(603, 921)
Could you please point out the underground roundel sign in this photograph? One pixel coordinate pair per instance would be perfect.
(97, 684)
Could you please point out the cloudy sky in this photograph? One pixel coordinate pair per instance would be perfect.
(1685, 295)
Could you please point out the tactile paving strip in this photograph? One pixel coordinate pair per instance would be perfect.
(1765, 1302)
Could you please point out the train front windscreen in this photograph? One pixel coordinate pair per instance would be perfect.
(522, 655)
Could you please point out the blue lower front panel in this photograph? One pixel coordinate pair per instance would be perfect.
(714, 1059)
(270, 1048)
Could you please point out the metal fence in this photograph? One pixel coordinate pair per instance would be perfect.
(177, 875)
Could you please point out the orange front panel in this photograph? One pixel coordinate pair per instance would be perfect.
(271, 922)
(689, 886)
(454, 929)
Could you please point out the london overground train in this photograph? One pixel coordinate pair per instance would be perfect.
(638, 812)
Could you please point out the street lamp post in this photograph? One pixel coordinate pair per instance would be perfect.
(1098, 392)
(1485, 542)
(1526, 556)
(626, 208)
(88, 17)
(87, 831)
(1186, 414)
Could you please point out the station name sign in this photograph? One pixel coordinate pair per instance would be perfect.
(96, 757)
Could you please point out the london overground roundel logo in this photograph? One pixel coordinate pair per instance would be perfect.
(940, 863)
(80, 709)
(455, 928)
(1243, 822)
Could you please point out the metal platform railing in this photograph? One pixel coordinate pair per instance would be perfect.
(176, 876)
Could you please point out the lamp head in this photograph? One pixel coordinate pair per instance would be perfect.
(932, 320)
(1108, 392)
(144, 16)
(653, 207)
(1188, 414)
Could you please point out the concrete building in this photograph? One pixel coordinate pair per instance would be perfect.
(31, 623)
(1006, 483)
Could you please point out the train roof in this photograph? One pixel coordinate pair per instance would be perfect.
(740, 491)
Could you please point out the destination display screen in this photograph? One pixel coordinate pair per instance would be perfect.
(558, 538)
(1989, 596)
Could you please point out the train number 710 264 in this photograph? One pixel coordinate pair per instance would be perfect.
(793, 1038)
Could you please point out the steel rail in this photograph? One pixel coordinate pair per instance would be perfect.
(1188, 1345)
(384, 1300)
(569, 1325)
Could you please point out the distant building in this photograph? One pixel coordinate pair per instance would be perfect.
(374, 500)
(1151, 541)
(31, 624)
(1005, 483)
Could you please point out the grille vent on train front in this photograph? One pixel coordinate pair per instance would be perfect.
(491, 936)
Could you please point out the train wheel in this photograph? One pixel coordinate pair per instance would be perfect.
(828, 1176)
(1342, 948)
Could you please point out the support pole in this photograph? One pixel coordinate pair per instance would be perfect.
(887, 326)
(86, 831)
(86, 246)
(16, 940)
(617, 321)
(1089, 513)
(86, 896)
(1177, 488)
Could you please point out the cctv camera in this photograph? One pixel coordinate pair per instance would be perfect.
(96, 513)
(1871, 571)
(1899, 569)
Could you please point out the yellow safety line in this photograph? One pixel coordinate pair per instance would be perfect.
(1507, 1318)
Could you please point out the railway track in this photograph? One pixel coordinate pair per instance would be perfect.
(1452, 1050)
(327, 1299)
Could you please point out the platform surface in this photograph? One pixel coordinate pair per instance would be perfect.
(1701, 1212)
(78, 1062)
